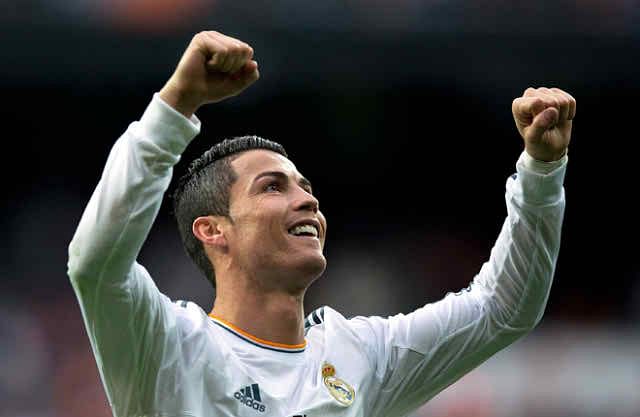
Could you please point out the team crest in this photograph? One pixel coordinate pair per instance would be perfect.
(338, 389)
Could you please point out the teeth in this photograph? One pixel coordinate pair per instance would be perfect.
(304, 229)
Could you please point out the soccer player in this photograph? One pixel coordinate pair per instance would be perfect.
(250, 221)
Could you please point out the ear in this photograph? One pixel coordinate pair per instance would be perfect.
(210, 231)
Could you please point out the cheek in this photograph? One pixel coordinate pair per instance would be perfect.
(260, 226)
(260, 223)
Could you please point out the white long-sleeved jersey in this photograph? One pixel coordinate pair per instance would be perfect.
(170, 359)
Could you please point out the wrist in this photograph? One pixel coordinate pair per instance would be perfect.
(545, 155)
(178, 100)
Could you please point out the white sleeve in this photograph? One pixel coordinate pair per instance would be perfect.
(125, 315)
(419, 354)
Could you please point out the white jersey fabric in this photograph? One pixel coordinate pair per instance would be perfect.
(171, 359)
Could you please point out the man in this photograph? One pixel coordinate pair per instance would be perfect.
(251, 222)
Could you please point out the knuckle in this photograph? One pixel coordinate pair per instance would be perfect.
(548, 100)
(200, 35)
(515, 106)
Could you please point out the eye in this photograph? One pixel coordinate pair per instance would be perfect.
(272, 186)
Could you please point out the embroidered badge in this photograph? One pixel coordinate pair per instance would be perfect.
(338, 388)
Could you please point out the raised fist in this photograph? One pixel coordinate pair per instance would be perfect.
(544, 117)
(213, 67)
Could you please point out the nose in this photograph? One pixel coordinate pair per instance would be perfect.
(307, 201)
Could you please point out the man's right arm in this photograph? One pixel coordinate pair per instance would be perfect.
(124, 312)
(121, 306)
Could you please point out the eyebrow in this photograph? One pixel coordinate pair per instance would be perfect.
(282, 176)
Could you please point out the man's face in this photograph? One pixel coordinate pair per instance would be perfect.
(277, 232)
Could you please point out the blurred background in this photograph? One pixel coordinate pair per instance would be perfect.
(400, 114)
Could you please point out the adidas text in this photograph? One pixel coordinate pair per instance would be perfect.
(250, 396)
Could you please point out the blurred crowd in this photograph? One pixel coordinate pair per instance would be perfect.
(589, 17)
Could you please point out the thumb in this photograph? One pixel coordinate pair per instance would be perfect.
(247, 74)
(543, 122)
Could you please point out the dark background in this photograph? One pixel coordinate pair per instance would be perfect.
(398, 112)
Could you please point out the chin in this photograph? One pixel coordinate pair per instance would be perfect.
(318, 265)
(310, 268)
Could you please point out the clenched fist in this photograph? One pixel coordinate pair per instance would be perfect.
(543, 117)
(213, 67)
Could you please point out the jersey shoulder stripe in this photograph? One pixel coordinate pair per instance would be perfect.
(314, 318)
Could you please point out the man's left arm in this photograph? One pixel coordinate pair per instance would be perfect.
(418, 355)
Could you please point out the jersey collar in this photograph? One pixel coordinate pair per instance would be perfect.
(278, 347)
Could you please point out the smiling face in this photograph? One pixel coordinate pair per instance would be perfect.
(277, 231)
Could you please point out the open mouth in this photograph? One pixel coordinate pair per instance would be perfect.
(305, 229)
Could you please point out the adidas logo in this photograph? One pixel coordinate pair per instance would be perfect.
(250, 396)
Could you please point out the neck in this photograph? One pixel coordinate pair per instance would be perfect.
(272, 316)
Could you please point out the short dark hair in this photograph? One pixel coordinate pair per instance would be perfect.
(204, 190)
